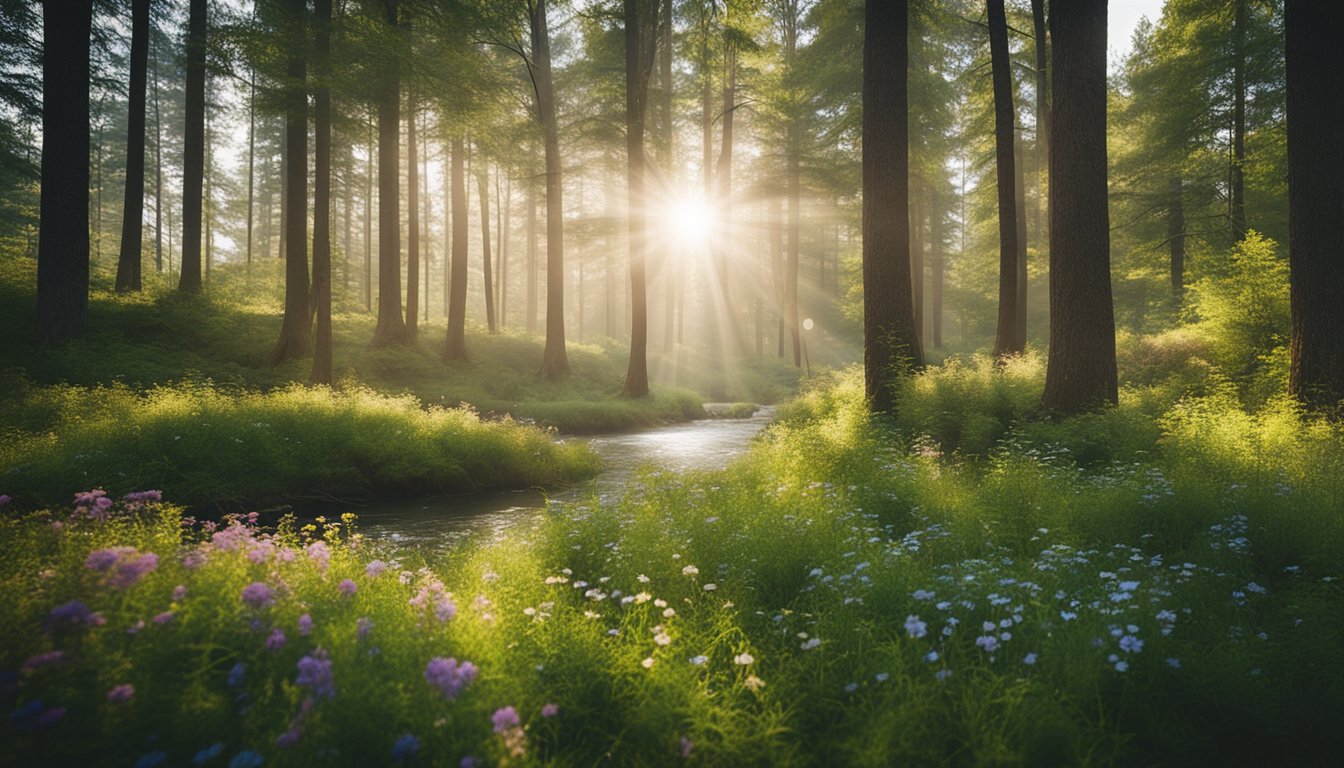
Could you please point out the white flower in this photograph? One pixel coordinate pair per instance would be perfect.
(647, 663)
(810, 644)
(916, 628)
(1121, 666)
(642, 597)
(699, 660)
(662, 638)
(1128, 586)
(690, 570)
(744, 659)
(852, 687)
(882, 677)
(642, 579)
(931, 656)
(1068, 615)
(923, 594)
(669, 613)
(710, 587)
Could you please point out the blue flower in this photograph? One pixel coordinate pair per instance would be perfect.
(208, 754)
(151, 759)
(245, 759)
(405, 747)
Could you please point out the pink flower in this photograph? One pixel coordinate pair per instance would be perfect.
(449, 676)
(257, 595)
(121, 693)
(347, 587)
(375, 569)
(504, 719)
(550, 710)
(305, 625)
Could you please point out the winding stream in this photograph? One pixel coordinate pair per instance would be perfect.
(439, 523)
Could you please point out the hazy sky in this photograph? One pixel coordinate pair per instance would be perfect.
(1123, 16)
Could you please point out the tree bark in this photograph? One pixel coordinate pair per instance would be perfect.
(936, 269)
(531, 195)
(193, 150)
(483, 192)
(1042, 118)
(1176, 239)
(322, 349)
(63, 232)
(158, 172)
(1081, 370)
(1005, 338)
(890, 345)
(456, 346)
(505, 205)
(554, 361)
(1315, 203)
(1020, 207)
(793, 224)
(297, 326)
(133, 208)
(413, 221)
(391, 327)
(368, 220)
(251, 159)
(640, 34)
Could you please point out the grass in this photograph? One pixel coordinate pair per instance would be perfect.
(850, 593)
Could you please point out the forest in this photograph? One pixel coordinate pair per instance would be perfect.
(671, 382)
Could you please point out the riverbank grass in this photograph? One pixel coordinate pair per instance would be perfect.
(848, 594)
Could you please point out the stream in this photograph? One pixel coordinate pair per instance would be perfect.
(442, 522)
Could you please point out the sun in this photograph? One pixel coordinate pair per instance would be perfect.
(688, 221)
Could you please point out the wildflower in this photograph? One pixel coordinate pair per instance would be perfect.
(942, 674)
(449, 676)
(137, 499)
(915, 628)
(51, 717)
(1128, 586)
(276, 640)
(923, 594)
(315, 673)
(71, 614)
(690, 570)
(363, 627)
(744, 659)
(662, 638)
(347, 587)
(882, 677)
(670, 612)
(179, 593)
(1121, 666)
(931, 656)
(289, 738)
(852, 687)
(208, 754)
(642, 579)
(1131, 644)
(305, 625)
(444, 609)
(988, 643)
(1029, 659)
(246, 759)
(405, 747)
(642, 597)
(647, 663)
(151, 759)
(504, 719)
(753, 683)
(374, 570)
(319, 553)
(1068, 615)
(810, 643)
(710, 587)
(684, 748)
(699, 660)
(257, 594)
(236, 675)
(95, 503)
(550, 710)
(121, 693)
(43, 660)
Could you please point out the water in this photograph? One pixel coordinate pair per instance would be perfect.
(441, 522)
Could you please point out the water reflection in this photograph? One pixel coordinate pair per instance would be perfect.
(440, 523)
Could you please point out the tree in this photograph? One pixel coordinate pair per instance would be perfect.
(193, 150)
(63, 234)
(391, 327)
(322, 351)
(128, 263)
(1081, 371)
(641, 28)
(297, 325)
(1042, 112)
(1005, 340)
(483, 189)
(890, 344)
(456, 345)
(1315, 86)
(412, 221)
(554, 361)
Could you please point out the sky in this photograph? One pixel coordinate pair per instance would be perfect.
(1123, 16)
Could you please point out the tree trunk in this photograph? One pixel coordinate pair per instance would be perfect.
(368, 220)
(917, 264)
(456, 345)
(640, 34)
(1081, 369)
(1315, 203)
(793, 189)
(428, 259)
(666, 143)
(483, 192)
(413, 221)
(936, 269)
(133, 208)
(294, 333)
(1020, 206)
(158, 172)
(890, 344)
(1042, 119)
(1176, 239)
(63, 233)
(505, 205)
(554, 361)
(1005, 338)
(322, 351)
(1236, 172)
(531, 195)
(193, 150)
(251, 159)
(391, 327)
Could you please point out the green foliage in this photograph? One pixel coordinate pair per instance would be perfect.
(205, 445)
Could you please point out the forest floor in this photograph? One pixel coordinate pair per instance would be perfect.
(1152, 585)
(158, 369)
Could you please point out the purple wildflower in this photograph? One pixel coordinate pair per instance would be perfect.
(163, 618)
(246, 759)
(347, 587)
(504, 719)
(102, 560)
(550, 710)
(257, 594)
(449, 676)
(319, 553)
(73, 614)
(5, 500)
(276, 640)
(236, 675)
(43, 660)
(289, 738)
(233, 537)
(121, 693)
(685, 748)
(193, 559)
(315, 673)
(138, 499)
(445, 609)
(305, 625)
(131, 569)
(95, 503)
(179, 593)
(375, 569)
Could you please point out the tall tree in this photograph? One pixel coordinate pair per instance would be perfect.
(1042, 113)
(1005, 339)
(63, 233)
(391, 327)
(322, 351)
(1316, 202)
(1237, 174)
(483, 190)
(193, 150)
(554, 361)
(1081, 371)
(456, 345)
(641, 27)
(890, 344)
(132, 225)
(297, 325)
(413, 220)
